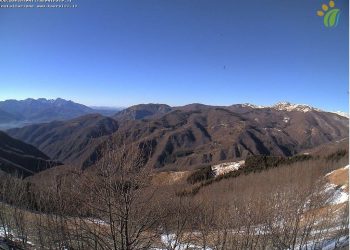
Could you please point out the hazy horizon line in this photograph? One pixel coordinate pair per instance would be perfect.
(95, 106)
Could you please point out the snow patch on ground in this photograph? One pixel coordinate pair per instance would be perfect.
(286, 119)
(336, 243)
(226, 167)
(170, 241)
(327, 245)
(341, 140)
(97, 222)
(338, 195)
(12, 235)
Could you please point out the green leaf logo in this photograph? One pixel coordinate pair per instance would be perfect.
(330, 14)
(331, 18)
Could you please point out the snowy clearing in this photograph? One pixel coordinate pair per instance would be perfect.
(173, 242)
(338, 195)
(286, 119)
(226, 167)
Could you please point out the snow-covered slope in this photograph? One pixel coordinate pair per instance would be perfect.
(338, 186)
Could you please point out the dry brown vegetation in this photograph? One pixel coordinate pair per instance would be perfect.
(115, 206)
(340, 177)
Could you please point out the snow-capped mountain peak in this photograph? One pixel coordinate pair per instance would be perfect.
(252, 106)
(287, 106)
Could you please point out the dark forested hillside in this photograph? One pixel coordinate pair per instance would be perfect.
(68, 141)
(21, 159)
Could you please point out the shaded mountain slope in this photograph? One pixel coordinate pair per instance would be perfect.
(68, 141)
(17, 157)
(142, 111)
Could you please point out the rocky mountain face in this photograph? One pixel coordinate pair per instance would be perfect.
(189, 136)
(20, 158)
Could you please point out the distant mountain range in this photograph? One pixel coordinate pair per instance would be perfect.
(188, 136)
(14, 113)
(19, 113)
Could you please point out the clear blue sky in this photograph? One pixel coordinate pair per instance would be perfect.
(119, 53)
